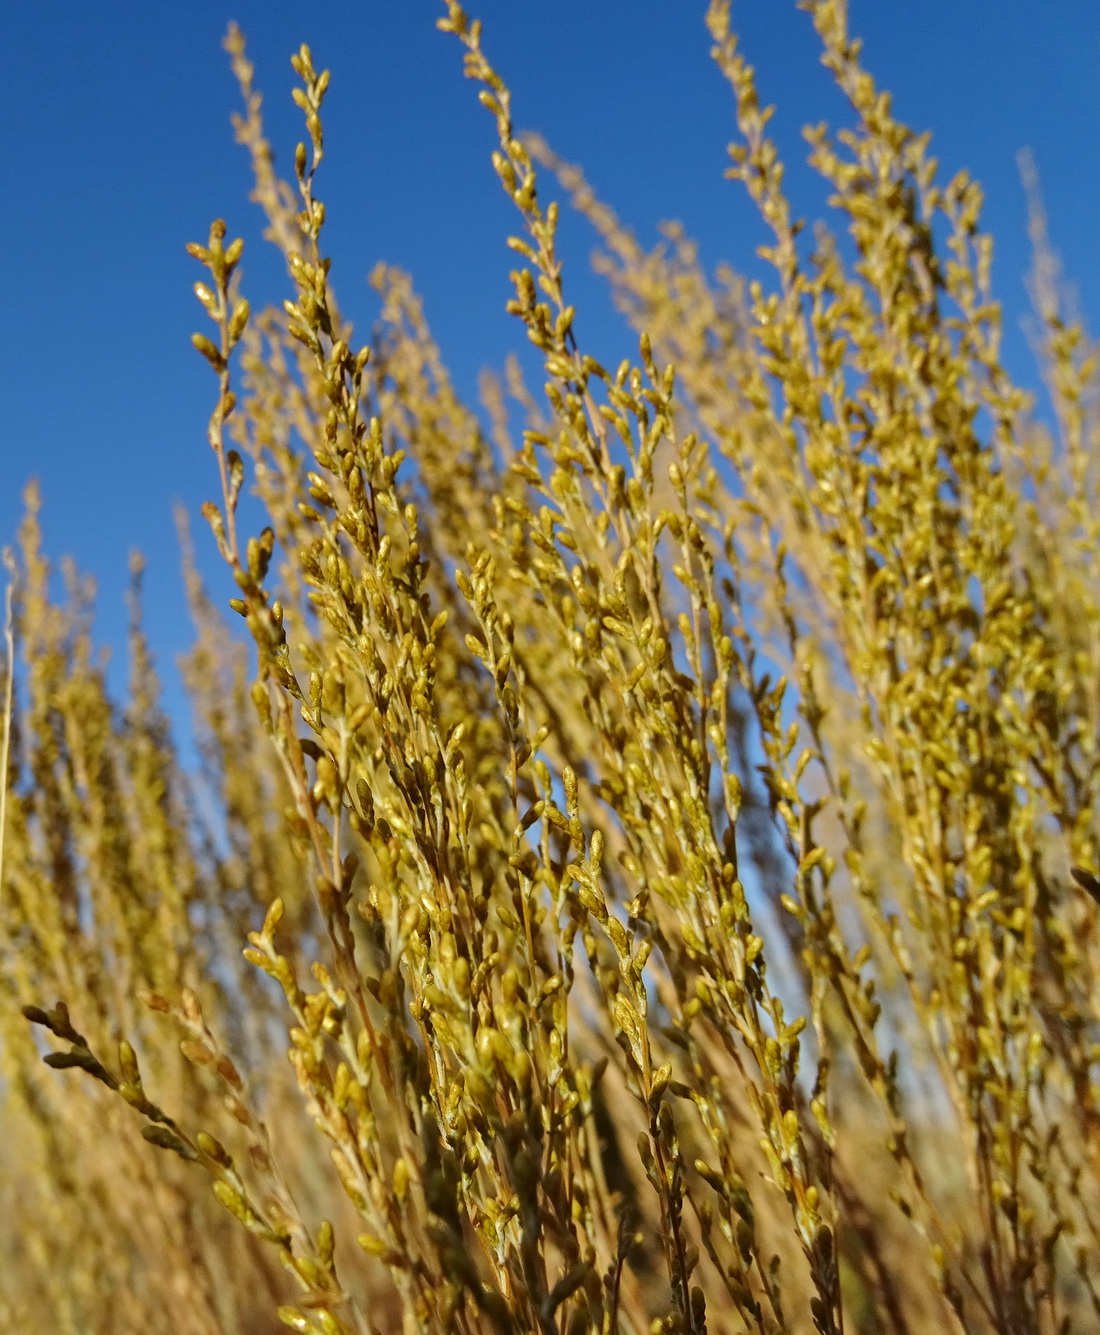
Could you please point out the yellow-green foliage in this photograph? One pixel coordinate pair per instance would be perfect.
(647, 819)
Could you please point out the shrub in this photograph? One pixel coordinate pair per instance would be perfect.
(654, 830)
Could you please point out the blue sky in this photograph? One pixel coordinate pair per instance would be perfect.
(118, 150)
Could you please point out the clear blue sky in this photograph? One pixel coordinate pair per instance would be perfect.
(118, 150)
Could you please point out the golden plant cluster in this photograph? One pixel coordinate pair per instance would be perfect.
(646, 805)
